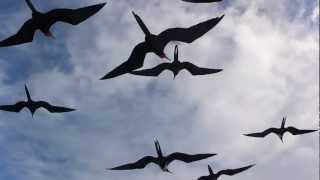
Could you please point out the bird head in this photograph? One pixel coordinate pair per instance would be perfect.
(49, 34)
(167, 170)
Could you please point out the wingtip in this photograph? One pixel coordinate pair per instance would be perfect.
(222, 16)
(133, 13)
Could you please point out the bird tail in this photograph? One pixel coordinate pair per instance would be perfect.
(210, 170)
(141, 24)
(30, 5)
(176, 53)
(27, 92)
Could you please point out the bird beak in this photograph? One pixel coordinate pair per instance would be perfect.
(165, 57)
(169, 171)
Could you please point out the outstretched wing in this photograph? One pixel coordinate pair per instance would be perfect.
(188, 35)
(295, 131)
(73, 16)
(140, 164)
(188, 158)
(14, 108)
(201, 1)
(135, 61)
(53, 109)
(156, 71)
(195, 70)
(24, 35)
(264, 133)
(231, 172)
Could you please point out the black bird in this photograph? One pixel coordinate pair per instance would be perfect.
(34, 105)
(280, 131)
(229, 172)
(162, 161)
(201, 1)
(176, 66)
(44, 21)
(157, 43)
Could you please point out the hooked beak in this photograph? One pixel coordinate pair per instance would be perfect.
(163, 56)
(167, 170)
(49, 34)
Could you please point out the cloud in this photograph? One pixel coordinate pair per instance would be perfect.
(269, 57)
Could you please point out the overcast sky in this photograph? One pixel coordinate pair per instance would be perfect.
(269, 53)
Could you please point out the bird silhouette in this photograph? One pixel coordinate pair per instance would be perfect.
(280, 131)
(228, 172)
(163, 161)
(176, 66)
(157, 43)
(44, 21)
(34, 105)
(201, 1)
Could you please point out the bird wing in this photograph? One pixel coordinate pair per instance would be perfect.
(195, 70)
(231, 172)
(52, 109)
(135, 61)
(188, 158)
(295, 131)
(140, 164)
(73, 16)
(14, 108)
(24, 35)
(156, 71)
(263, 134)
(188, 35)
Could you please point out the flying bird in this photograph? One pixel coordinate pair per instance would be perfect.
(176, 66)
(43, 22)
(228, 172)
(280, 131)
(201, 1)
(34, 105)
(157, 43)
(163, 161)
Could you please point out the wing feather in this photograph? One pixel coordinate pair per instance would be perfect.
(14, 108)
(73, 16)
(188, 35)
(53, 109)
(264, 133)
(140, 164)
(156, 71)
(295, 131)
(231, 172)
(24, 35)
(195, 70)
(188, 158)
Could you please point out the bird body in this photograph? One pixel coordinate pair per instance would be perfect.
(229, 172)
(176, 66)
(280, 131)
(43, 22)
(34, 105)
(161, 160)
(157, 43)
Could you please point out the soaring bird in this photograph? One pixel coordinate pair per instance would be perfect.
(229, 172)
(44, 21)
(157, 43)
(280, 131)
(176, 66)
(163, 161)
(34, 105)
(201, 1)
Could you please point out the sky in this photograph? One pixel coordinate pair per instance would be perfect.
(269, 53)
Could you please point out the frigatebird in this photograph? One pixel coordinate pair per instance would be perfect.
(229, 172)
(280, 131)
(163, 161)
(157, 43)
(176, 66)
(34, 105)
(43, 22)
(201, 1)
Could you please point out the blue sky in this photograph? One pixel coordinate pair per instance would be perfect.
(269, 53)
